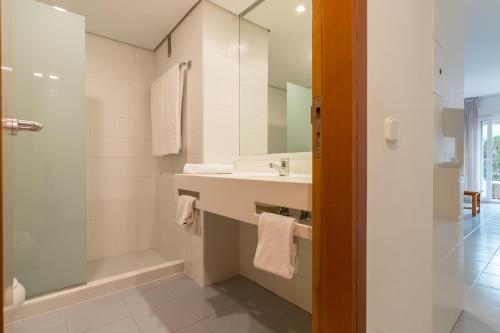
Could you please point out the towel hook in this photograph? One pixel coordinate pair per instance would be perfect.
(188, 64)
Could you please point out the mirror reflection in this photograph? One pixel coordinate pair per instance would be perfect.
(276, 77)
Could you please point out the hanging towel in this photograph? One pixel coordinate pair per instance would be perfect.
(276, 252)
(166, 109)
(187, 215)
(208, 168)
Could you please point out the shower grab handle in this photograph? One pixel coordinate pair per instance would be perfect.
(14, 125)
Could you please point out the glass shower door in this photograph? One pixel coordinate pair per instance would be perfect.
(48, 166)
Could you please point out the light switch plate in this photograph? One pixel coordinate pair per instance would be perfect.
(392, 130)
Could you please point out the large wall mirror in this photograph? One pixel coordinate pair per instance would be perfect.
(276, 77)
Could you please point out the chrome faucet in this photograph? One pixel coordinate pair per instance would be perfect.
(283, 168)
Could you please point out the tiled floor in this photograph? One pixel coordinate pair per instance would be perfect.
(481, 272)
(177, 305)
(106, 267)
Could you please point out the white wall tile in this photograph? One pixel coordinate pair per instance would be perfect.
(118, 79)
(101, 125)
(124, 128)
(124, 147)
(101, 167)
(125, 108)
(143, 128)
(99, 238)
(124, 167)
(143, 148)
(145, 167)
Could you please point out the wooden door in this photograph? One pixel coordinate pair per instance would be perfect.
(339, 166)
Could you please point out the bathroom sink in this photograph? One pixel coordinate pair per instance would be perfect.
(236, 195)
(303, 179)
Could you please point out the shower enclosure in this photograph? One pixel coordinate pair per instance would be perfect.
(51, 90)
(44, 83)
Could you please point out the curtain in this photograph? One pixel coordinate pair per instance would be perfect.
(472, 148)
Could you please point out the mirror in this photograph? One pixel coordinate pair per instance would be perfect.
(276, 77)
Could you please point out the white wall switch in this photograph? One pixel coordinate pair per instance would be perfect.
(391, 130)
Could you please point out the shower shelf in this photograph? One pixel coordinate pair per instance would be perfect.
(236, 196)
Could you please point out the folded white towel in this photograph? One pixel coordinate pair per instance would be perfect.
(187, 215)
(166, 109)
(276, 252)
(208, 168)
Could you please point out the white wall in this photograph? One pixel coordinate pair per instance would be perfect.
(221, 96)
(400, 84)
(209, 38)
(121, 208)
(448, 198)
(186, 45)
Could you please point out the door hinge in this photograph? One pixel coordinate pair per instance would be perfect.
(316, 125)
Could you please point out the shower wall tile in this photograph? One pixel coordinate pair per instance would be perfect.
(121, 197)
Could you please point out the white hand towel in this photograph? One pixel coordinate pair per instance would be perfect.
(208, 168)
(276, 252)
(166, 110)
(187, 215)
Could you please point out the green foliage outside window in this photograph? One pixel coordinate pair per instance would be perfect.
(496, 158)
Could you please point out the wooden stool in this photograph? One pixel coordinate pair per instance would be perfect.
(476, 201)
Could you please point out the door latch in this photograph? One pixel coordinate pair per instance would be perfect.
(14, 125)
(316, 125)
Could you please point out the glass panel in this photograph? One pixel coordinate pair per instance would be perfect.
(495, 161)
(49, 177)
(484, 160)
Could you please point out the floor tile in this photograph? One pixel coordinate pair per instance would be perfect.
(268, 307)
(467, 325)
(122, 326)
(481, 272)
(207, 301)
(235, 319)
(196, 328)
(296, 322)
(485, 294)
(492, 269)
(166, 317)
(53, 322)
(96, 313)
(489, 280)
(177, 305)
(239, 288)
(160, 292)
(476, 265)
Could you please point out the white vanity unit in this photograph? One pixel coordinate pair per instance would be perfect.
(237, 195)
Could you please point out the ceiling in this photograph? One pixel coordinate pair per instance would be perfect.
(235, 6)
(143, 23)
(482, 48)
(290, 40)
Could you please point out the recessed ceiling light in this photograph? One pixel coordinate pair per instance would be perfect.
(300, 8)
(54, 77)
(37, 74)
(6, 68)
(59, 9)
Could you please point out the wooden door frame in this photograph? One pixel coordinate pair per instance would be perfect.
(340, 172)
(1, 184)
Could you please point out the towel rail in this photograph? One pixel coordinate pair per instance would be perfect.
(301, 230)
(188, 64)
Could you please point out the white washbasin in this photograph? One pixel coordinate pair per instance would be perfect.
(270, 177)
(236, 195)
